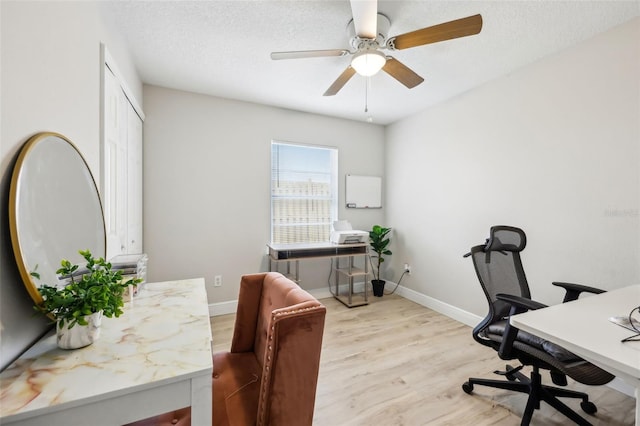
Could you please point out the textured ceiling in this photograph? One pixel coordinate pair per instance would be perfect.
(222, 48)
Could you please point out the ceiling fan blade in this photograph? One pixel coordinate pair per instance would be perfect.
(402, 73)
(340, 81)
(297, 54)
(446, 31)
(365, 17)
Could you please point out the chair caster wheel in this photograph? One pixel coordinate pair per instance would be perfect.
(588, 407)
(467, 387)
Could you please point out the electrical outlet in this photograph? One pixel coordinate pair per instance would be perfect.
(217, 281)
(407, 268)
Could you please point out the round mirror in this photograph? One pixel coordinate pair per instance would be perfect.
(54, 210)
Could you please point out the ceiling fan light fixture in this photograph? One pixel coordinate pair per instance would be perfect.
(368, 62)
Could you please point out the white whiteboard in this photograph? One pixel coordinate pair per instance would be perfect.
(363, 192)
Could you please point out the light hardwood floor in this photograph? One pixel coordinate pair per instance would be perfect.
(394, 362)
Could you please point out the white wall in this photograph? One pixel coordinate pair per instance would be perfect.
(553, 148)
(207, 183)
(50, 81)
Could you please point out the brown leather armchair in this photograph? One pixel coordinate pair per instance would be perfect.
(270, 374)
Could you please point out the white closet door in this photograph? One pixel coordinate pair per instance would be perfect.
(122, 165)
(115, 166)
(134, 182)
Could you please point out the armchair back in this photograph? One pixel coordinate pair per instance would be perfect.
(282, 325)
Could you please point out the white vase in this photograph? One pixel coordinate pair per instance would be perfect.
(79, 336)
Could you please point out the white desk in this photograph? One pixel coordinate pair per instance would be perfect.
(154, 358)
(583, 327)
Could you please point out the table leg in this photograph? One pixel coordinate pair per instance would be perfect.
(638, 405)
(201, 400)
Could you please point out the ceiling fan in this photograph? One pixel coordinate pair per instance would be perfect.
(368, 36)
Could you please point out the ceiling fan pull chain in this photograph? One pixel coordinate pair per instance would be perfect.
(366, 99)
(366, 94)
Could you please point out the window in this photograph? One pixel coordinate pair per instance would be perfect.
(304, 192)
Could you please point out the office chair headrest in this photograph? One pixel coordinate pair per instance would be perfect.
(506, 238)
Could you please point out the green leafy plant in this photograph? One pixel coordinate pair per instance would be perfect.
(98, 289)
(379, 242)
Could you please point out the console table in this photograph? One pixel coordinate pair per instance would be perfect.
(154, 358)
(293, 253)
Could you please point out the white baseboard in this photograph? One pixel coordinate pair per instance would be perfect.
(451, 311)
(223, 308)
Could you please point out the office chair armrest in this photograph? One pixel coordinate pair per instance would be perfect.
(573, 291)
(518, 306)
(522, 303)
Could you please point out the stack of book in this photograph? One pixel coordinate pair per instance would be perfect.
(132, 266)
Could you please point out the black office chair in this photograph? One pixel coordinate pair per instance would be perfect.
(499, 269)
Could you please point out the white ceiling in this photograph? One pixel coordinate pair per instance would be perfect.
(222, 48)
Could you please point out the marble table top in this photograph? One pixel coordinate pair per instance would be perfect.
(164, 335)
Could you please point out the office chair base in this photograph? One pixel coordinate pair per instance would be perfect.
(537, 392)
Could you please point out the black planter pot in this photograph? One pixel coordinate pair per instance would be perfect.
(378, 287)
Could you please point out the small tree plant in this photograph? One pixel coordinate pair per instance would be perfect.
(379, 243)
(99, 289)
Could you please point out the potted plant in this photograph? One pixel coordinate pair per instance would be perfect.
(379, 243)
(78, 307)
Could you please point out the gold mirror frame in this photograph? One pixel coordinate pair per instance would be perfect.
(54, 210)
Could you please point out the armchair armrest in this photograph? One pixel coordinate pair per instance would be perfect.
(573, 291)
(518, 306)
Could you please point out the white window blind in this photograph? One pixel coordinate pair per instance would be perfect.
(304, 192)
